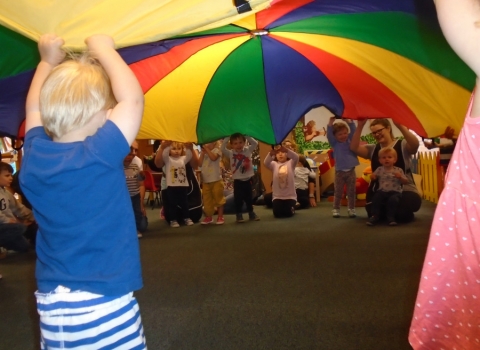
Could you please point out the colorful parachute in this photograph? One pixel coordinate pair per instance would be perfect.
(369, 58)
(259, 75)
(128, 22)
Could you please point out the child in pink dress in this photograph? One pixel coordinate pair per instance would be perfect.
(447, 313)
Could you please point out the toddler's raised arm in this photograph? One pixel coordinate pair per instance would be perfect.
(51, 54)
(127, 114)
(460, 22)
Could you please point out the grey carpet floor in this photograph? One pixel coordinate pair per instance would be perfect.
(307, 282)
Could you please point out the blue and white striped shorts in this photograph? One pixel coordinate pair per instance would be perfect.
(82, 320)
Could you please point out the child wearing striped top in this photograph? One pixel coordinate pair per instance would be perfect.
(82, 115)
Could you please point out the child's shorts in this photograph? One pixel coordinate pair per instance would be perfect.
(82, 320)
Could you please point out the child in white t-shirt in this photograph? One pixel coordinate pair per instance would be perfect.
(175, 156)
(240, 157)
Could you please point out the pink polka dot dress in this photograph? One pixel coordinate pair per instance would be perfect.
(447, 309)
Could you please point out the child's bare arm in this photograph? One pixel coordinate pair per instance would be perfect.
(189, 151)
(459, 20)
(201, 156)
(127, 114)
(355, 146)
(51, 54)
(159, 155)
(193, 157)
(224, 148)
(253, 143)
(211, 155)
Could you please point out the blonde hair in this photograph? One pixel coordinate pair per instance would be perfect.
(178, 145)
(387, 150)
(216, 144)
(73, 93)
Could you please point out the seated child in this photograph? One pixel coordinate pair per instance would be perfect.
(212, 183)
(390, 179)
(283, 183)
(16, 220)
(303, 177)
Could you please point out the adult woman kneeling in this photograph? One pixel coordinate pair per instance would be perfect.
(382, 132)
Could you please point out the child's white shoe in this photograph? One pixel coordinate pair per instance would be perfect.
(352, 213)
(336, 213)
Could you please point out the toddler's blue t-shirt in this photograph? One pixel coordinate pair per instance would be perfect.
(87, 238)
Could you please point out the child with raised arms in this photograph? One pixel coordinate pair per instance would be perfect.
(339, 136)
(240, 157)
(82, 116)
(282, 162)
(212, 183)
(176, 155)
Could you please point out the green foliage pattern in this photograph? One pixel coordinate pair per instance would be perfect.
(307, 145)
(319, 145)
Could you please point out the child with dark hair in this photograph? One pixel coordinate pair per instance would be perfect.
(282, 162)
(136, 188)
(303, 178)
(240, 157)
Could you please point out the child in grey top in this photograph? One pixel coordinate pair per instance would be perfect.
(390, 180)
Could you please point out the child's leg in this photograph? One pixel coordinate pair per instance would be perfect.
(182, 200)
(267, 199)
(392, 204)
(238, 195)
(208, 199)
(283, 208)
(137, 211)
(339, 184)
(81, 319)
(378, 201)
(248, 194)
(11, 237)
(303, 198)
(170, 205)
(218, 197)
(31, 233)
(351, 181)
